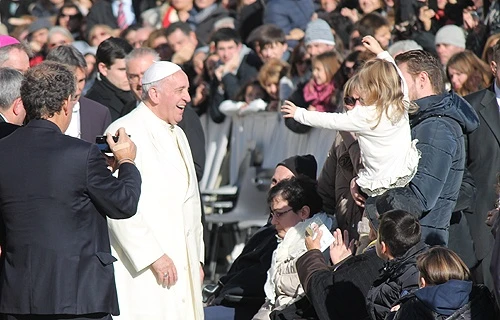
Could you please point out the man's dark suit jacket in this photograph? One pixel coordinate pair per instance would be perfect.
(483, 162)
(94, 119)
(55, 194)
(102, 12)
(6, 128)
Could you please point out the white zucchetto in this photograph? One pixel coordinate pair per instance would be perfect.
(159, 70)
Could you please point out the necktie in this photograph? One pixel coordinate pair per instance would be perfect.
(120, 19)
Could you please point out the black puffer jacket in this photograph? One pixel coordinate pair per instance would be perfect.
(477, 303)
(440, 125)
(398, 278)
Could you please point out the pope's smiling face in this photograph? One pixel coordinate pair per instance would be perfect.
(173, 97)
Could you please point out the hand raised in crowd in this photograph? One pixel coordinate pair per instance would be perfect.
(425, 15)
(352, 14)
(470, 17)
(356, 195)
(341, 248)
(124, 150)
(165, 271)
(295, 34)
(288, 109)
(371, 44)
(184, 54)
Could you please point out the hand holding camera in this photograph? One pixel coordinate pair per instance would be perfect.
(120, 145)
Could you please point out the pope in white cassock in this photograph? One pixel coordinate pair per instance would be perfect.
(160, 249)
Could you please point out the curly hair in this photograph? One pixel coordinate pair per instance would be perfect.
(45, 88)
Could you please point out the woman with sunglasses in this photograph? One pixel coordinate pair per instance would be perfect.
(294, 205)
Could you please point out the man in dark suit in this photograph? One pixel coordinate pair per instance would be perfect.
(111, 87)
(483, 162)
(12, 111)
(90, 118)
(55, 194)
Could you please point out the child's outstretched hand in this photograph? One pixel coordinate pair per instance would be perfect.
(288, 109)
(372, 44)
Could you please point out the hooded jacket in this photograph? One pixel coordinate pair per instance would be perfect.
(455, 299)
(398, 278)
(440, 125)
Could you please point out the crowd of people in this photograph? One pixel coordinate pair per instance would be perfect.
(411, 88)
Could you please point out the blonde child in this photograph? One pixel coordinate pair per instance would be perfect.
(380, 121)
(319, 93)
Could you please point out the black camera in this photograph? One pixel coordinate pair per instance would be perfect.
(102, 143)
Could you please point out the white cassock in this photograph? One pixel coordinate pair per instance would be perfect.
(168, 221)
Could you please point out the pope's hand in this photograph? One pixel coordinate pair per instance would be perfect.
(164, 271)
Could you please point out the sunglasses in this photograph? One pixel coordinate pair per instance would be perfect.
(278, 214)
(351, 101)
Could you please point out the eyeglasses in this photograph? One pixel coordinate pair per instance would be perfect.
(350, 101)
(278, 214)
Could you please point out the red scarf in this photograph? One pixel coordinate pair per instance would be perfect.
(320, 96)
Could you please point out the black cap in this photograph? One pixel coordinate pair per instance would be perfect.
(305, 165)
(393, 199)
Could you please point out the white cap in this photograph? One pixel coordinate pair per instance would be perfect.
(159, 70)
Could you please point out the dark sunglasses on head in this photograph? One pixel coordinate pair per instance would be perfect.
(350, 101)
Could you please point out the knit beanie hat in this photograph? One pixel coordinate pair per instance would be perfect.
(305, 165)
(451, 34)
(319, 31)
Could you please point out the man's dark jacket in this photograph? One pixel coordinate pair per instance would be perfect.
(440, 126)
(483, 162)
(55, 195)
(94, 119)
(110, 96)
(398, 277)
(339, 294)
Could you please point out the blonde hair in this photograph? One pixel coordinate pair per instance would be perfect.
(272, 71)
(380, 85)
(477, 71)
(330, 62)
(440, 264)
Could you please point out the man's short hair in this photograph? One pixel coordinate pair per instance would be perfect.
(111, 49)
(68, 55)
(298, 192)
(45, 88)
(5, 51)
(496, 53)
(179, 25)
(10, 82)
(422, 61)
(267, 34)
(400, 231)
(226, 34)
(142, 52)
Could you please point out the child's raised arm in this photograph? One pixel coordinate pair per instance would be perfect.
(372, 45)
